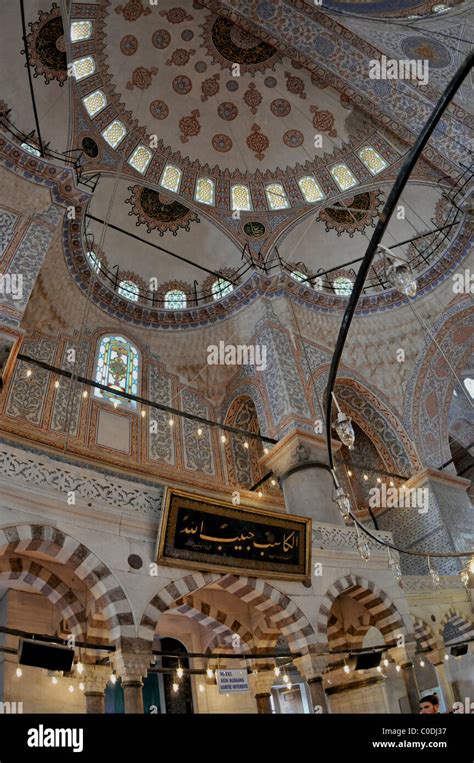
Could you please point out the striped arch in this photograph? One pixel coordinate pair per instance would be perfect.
(167, 597)
(424, 636)
(224, 626)
(384, 615)
(63, 549)
(282, 612)
(31, 573)
(352, 636)
(460, 628)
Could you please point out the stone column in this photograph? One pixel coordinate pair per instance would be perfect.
(311, 667)
(403, 657)
(300, 460)
(132, 667)
(95, 681)
(437, 504)
(263, 688)
(436, 657)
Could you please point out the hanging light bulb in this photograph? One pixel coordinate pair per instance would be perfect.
(422, 663)
(210, 673)
(54, 680)
(71, 689)
(446, 657)
(80, 668)
(143, 414)
(223, 438)
(434, 574)
(349, 473)
(343, 426)
(56, 384)
(398, 668)
(260, 494)
(343, 501)
(171, 422)
(81, 686)
(399, 273)
(199, 432)
(276, 670)
(246, 445)
(273, 483)
(379, 668)
(286, 678)
(266, 451)
(346, 669)
(362, 545)
(464, 575)
(394, 566)
(28, 373)
(84, 394)
(19, 672)
(113, 679)
(175, 687)
(180, 672)
(289, 685)
(385, 662)
(202, 688)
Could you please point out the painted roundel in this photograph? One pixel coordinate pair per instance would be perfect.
(293, 138)
(158, 211)
(46, 46)
(427, 49)
(230, 44)
(221, 143)
(227, 111)
(129, 45)
(280, 107)
(182, 84)
(161, 39)
(159, 109)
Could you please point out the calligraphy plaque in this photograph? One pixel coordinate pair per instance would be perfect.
(205, 534)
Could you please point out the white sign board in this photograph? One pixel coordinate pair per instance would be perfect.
(232, 681)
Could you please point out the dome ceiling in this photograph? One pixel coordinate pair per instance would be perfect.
(388, 7)
(175, 72)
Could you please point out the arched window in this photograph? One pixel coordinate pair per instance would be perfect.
(220, 288)
(298, 275)
(343, 286)
(175, 300)
(117, 368)
(129, 290)
(94, 261)
(240, 197)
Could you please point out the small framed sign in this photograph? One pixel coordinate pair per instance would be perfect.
(205, 534)
(232, 681)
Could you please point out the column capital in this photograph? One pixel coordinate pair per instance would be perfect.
(311, 666)
(132, 667)
(404, 655)
(434, 475)
(436, 656)
(263, 682)
(95, 678)
(297, 449)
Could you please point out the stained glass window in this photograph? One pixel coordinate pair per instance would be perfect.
(129, 290)
(276, 196)
(310, 189)
(30, 149)
(204, 191)
(343, 176)
(83, 67)
(175, 300)
(117, 368)
(140, 159)
(95, 102)
(240, 196)
(298, 275)
(94, 261)
(221, 287)
(114, 133)
(81, 30)
(343, 286)
(372, 160)
(171, 178)
(469, 384)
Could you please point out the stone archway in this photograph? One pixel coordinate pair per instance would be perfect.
(30, 572)
(424, 636)
(455, 627)
(62, 548)
(383, 613)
